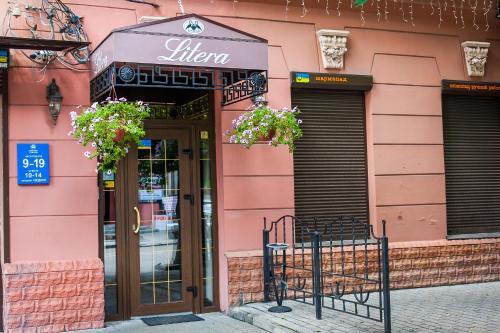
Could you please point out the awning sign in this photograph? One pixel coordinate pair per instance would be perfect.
(189, 40)
(471, 88)
(331, 81)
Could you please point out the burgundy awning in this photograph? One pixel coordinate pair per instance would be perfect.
(188, 41)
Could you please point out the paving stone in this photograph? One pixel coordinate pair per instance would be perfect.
(214, 323)
(450, 309)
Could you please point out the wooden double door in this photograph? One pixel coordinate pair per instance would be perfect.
(168, 240)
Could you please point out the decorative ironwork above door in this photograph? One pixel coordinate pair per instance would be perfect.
(236, 85)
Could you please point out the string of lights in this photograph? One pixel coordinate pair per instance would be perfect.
(407, 15)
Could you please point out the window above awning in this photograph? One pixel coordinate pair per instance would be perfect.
(189, 40)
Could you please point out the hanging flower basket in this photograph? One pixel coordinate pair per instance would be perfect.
(263, 123)
(119, 135)
(110, 127)
(269, 136)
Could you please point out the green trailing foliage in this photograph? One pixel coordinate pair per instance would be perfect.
(262, 122)
(110, 128)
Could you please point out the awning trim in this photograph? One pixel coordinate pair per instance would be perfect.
(236, 85)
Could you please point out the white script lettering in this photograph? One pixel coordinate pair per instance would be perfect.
(100, 62)
(181, 50)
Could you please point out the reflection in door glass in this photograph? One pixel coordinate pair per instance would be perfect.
(159, 243)
(110, 278)
(207, 220)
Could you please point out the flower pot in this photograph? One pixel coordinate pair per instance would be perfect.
(269, 136)
(119, 135)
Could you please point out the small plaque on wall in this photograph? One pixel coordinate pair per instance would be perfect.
(33, 164)
(331, 81)
(4, 58)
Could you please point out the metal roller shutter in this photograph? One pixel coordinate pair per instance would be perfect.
(472, 163)
(330, 160)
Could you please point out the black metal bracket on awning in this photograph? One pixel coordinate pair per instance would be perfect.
(252, 85)
(236, 85)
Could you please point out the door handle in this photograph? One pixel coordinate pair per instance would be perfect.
(189, 197)
(137, 225)
(193, 289)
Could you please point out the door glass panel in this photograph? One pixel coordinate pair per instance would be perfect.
(160, 238)
(207, 206)
(110, 276)
(197, 109)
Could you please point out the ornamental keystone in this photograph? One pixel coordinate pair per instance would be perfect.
(333, 47)
(475, 57)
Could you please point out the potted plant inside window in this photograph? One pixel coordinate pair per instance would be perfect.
(264, 123)
(110, 127)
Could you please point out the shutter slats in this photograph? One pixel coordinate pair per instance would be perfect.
(472, 163)
(330, 160)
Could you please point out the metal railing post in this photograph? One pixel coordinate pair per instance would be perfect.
(385, 280)
(316, 266)
(265, 261)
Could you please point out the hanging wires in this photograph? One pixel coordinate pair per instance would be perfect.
(181, 6)
(486, 10)
(304, 8)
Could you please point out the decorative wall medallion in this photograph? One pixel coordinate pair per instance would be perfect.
(475, 57)
(333, 47)
(193, 26)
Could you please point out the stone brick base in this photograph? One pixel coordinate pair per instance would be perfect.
(412, 265)
(53, 296)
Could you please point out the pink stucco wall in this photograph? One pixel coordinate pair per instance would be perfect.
(58, 221)
(404, 126)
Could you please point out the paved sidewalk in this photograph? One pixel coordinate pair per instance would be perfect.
(473, 308)
(214, 323)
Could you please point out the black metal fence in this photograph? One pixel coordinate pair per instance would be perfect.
(333, 267)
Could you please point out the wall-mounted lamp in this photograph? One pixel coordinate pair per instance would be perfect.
(54, 98)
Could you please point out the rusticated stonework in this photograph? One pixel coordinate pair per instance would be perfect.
(412, 265)
(333, 46)
(476, 54)
(53, 296)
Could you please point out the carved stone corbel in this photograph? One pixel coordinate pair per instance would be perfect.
(475, 57)
(333, 47)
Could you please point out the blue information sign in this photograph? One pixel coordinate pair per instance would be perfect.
(33, 163)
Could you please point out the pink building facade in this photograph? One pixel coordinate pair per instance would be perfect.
(71, 256)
